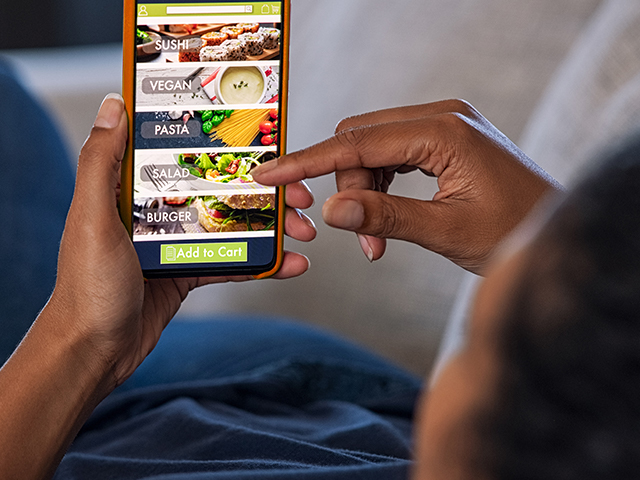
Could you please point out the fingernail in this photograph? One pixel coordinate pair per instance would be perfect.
(110, 111)
(366, 247)
(306, 219)
(264, 168)
(313, 198)
(346, 214)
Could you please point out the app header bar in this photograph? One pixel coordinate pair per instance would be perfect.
(172, 10)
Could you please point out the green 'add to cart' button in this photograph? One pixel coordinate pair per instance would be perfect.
(203, 253)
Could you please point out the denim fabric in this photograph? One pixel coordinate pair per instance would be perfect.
(302, 418)
(225, 399)
(223, 347)
(36, 185)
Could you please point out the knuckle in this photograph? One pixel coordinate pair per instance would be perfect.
(456, 122)
(387, 222)
(96, 153)
(90, 152)
(392, 226)
(342, 126)
(356, 179)
(350, 142)
(404, 221)
(96, 144)
(346, 124)
(462, 107)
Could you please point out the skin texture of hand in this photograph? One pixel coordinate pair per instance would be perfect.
(103, 319)
(100, 282)
(486, 184)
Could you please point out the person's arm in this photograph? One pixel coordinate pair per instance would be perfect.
(486, 184)
(102, 319)
(48, 389)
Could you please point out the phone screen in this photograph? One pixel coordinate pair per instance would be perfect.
(208, 96)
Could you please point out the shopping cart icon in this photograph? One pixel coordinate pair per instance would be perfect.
(275, 9)
(170, 253)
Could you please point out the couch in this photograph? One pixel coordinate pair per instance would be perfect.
(518, 62)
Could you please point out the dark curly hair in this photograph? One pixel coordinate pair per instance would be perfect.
(568, 396)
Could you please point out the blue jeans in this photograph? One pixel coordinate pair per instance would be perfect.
(37, 186)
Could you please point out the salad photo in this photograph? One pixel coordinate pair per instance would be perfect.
(222, 168)
(204, 172)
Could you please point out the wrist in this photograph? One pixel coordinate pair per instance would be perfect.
(48, 389)
(60, 334)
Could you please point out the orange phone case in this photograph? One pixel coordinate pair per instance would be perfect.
(128, 70)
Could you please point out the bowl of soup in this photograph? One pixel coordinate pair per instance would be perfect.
(241, 85)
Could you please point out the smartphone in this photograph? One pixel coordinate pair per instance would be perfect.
(205, 84)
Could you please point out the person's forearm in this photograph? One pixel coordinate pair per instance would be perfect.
(48, 389)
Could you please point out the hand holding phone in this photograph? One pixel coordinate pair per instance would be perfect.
(206, 85)
(100, 292)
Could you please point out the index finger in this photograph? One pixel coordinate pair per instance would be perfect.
(413, 112)
(420, 142)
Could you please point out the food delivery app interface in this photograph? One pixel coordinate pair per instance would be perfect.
(206, 114)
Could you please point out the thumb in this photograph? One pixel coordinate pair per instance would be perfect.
(380, 215)
(99, 163)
